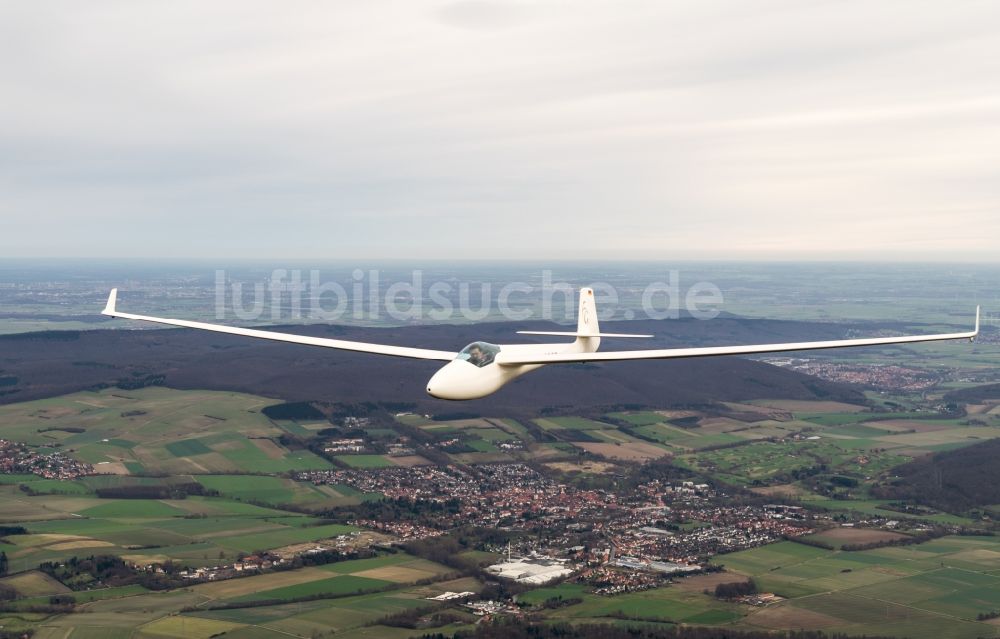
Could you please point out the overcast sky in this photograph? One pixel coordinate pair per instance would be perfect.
(482, 129)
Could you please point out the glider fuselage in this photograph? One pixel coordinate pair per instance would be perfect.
(475, 373)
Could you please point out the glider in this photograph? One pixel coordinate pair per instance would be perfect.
(481, 368)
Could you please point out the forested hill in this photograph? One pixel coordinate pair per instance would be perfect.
(974, 394)
(953, 481)
(40, 365)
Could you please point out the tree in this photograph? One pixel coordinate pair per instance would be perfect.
(3, 563)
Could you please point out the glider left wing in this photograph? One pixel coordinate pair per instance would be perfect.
(514, 359)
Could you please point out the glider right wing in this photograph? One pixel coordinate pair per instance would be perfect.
(381, 349)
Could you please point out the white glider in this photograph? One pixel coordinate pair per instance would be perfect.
(482, 368)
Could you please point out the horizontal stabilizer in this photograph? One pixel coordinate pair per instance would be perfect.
(575, 334)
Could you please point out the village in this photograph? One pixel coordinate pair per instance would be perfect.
(19, 458)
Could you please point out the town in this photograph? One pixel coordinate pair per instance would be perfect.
(650, 522)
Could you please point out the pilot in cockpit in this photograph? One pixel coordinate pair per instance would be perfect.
(477, 356)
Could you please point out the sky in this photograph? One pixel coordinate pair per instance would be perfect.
(480, 129)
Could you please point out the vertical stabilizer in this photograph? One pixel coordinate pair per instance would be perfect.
(586, 322)
(110, 307)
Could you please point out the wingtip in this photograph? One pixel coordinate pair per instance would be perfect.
(109, 309)
(976, 330)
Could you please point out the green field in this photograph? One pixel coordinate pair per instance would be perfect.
(571, 423)
(668, 604)
(151, 428)
(33, 584)
(340, 615)
(481, 445)
(284, 537)
(491, 434)
(339, 585)
(562, 591)
(642, 418)
(686, 439)
(197, 529)
(359, 565)
(187, 448)
(365, 461)
(276, 490)
(858, 445)
(875, 507)
(932, 589)
(132, 508)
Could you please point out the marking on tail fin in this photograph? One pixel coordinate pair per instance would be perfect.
(586, 323)
(588, 329)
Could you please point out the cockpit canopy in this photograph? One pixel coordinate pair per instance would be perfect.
(479, 353)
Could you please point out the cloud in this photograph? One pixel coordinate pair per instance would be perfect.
(543, 130)
(481, 14)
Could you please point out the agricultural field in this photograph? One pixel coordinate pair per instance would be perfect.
(764, 463)
(155, 615)
(585, 466)
(340, 615)
(34, 584)
(337, 585)
(826, 454)
(877, 507)
(788, 442)
(365, 461)
(284, 536)
(207, 434)
(538, 596)
(338, 589)
(681, 439)
(667, 604)
(278, 490)
(640, 418)
(198, 530)
(928, 590)
(223, 446)
(474, 441)
(635, 451)
(158, 430)
(571, 423)
(809, 406)
(339, 578)
(35, 498)
(846, 536)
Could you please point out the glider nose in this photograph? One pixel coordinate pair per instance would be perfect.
(460, 380)
(441, 384)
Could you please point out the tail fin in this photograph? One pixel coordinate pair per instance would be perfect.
(109, 308)
(587, 326)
